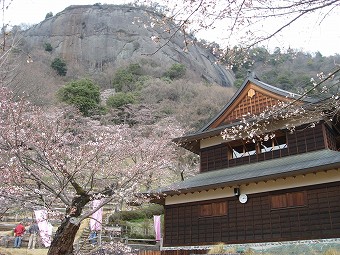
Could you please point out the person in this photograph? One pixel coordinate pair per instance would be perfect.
(18, 233)
(93, 237)
(33, 230)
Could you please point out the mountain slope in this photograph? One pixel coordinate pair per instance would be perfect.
(94, 40)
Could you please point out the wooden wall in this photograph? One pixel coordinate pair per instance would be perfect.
(303, 140)
(306, 139)
(256, 220)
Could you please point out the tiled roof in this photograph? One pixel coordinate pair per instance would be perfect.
(265, 170)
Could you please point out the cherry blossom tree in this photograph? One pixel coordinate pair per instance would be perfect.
(56, 158)
(243, 23)
(185, 165)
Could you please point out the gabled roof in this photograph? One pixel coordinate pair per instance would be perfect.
(261, 171)
(251, 83)
(254, 95)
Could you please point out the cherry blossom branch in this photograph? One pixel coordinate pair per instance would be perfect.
(177, 30)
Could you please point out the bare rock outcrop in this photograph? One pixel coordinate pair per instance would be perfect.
(94, 37)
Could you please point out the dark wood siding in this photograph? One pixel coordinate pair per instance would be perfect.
(303, 140)
(330, 138)
(256, 220)
(215, 157)
(306, 139)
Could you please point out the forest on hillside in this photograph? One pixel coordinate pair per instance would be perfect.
(294, 71)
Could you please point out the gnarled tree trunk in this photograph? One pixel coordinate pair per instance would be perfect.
(62, 243)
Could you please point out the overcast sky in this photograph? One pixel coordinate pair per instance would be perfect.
(307, 35)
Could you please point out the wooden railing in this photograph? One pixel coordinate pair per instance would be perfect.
(128, 241)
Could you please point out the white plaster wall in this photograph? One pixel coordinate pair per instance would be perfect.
(258, 187)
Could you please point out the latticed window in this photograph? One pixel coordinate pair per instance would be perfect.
(288, 200)
(213, 209)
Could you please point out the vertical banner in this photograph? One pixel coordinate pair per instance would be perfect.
(97, 217)
(157, 225)
(45, 228)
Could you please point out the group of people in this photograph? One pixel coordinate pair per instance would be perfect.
(20, 230)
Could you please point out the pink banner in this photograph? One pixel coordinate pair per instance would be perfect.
(97, 217)
(157, 225)
(45, 228)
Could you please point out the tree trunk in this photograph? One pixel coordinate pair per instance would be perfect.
(62, 243)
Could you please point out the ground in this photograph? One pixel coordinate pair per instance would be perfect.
(22, 251)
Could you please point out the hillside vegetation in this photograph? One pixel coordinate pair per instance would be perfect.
(138, 97)
(294, 71)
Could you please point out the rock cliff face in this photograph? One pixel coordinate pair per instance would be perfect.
(97, 36)
(95, 40)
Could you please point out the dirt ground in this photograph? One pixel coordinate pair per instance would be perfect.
(22, 251)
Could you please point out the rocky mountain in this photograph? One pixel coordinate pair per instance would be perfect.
(95, 40)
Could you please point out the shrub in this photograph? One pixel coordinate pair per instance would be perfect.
(126, 79)
(153, 209)
(120, 99)
(176, 71)
(141, 236)
(135, 69)
(285, 81)
(122, 79)
(48, 47)
(49, 15)
(60, 66)
(238, 83)
(127, 216)
(144, 212)
(83, 94)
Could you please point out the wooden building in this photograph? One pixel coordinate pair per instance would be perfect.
(282, 186)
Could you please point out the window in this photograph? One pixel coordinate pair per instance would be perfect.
(288, 200)
(213, 209)
(244, 150)
(238, 150)
(276, 143)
